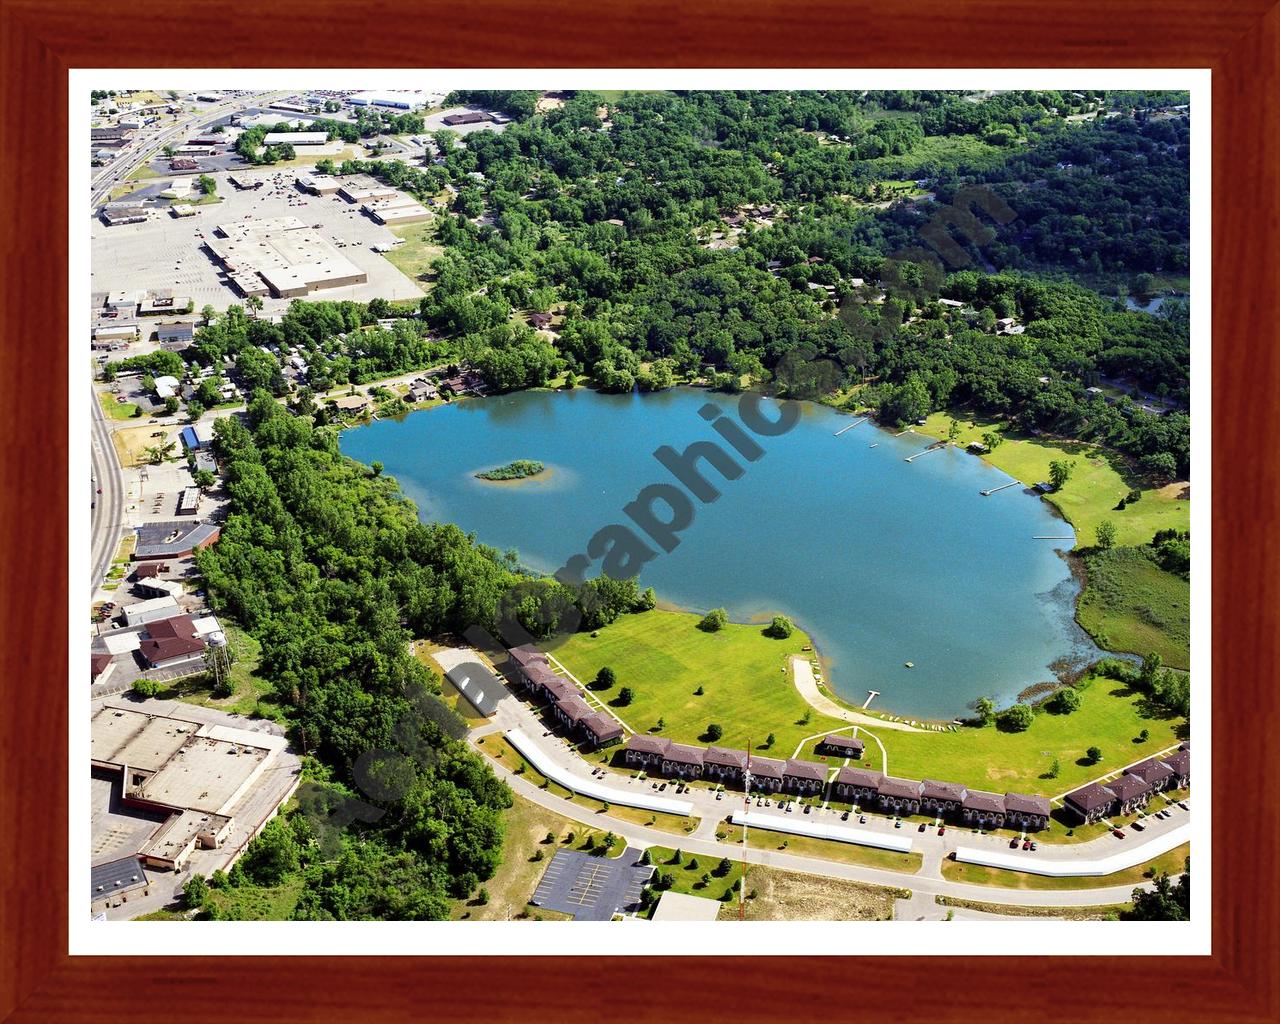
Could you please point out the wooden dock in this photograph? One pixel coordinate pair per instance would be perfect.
(850, 426)
(932, 448)
(991, 491)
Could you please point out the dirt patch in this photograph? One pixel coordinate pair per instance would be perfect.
(790, 896)
(1179, 491)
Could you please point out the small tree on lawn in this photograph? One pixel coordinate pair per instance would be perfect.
(780, 628)
(662, 724)
(714, 732)
(1094, 754)
(1054, 769)
(770, 740)
(1067, 700)
(985, 708)
(714, 620)
(1106, 534)
(1143, 736)
(699, 692)
(605, 679)
(1059, 473)
(194, 892)
(625, 696)
(1017, 718)
(724, 867)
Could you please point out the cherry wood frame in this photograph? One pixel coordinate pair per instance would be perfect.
(1238, 39)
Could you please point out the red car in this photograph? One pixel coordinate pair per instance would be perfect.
(942, 830)
(1117, 833)
(1026, 844)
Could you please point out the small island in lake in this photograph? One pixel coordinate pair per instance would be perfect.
(517, 470)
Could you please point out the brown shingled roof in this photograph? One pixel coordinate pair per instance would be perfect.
(1090, 797)
(602, 726)
(859, 777)
(683, 754)
(799, 769)
(977, 800)
(1150, 771)
(1021, 803)
(767, 767)
(933, 790)
(725, 756)
(1127, 787)
(648, 744)
(900, 788)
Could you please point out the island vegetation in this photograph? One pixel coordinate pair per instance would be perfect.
(517, 470)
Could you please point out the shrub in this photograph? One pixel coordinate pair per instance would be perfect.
(780, 628)
(1017, 718)
(714, 620)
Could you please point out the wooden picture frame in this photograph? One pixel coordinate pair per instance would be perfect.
(1238, 40)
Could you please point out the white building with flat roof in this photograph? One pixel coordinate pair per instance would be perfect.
(295, 138)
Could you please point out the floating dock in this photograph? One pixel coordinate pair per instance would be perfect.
(850, 426)
(991, 491)
(871, 695)
(932, 448)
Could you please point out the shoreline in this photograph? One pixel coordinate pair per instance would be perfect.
(806, 685)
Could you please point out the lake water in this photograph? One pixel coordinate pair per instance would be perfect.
(881, 561)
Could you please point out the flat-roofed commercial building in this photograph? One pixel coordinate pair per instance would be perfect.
(290, 258)
(361, 188)
(392, 99)
(190, 776)
(318, 184)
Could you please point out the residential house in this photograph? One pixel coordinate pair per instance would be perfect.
(645, 751)
(1029, 813)
(857, 785)
(985, 810)
(804, 776)
(1180, 765)
(1155, 774)
(724, 765)
(601, 730)
(899, 796)
(1089, 803)
(1131, 794)
(684, 761)
(571, 712)
(941, 798)
(766, 774)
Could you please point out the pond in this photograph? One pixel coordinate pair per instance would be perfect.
(882, 561)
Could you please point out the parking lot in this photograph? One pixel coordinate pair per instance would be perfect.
(166, 252)
(592, 888)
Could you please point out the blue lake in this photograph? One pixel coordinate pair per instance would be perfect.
(881, 561)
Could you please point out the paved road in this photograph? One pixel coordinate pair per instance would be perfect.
(641, 837)
(108, 513)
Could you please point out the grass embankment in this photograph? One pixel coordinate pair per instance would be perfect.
(664, 658)
(1094, 489)
(1105, 913)
(1132, 604)
(1171, 863)
(504, 753)
(846, 853)
(414, 256)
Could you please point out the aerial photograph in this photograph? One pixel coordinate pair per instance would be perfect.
(638, 505)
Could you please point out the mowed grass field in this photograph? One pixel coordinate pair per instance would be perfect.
(1110, 717)
(1095, 488)
(664, 658)
(1131, 604)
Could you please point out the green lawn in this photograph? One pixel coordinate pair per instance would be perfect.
(258, 903)
(1095, 488)
(827, 849)
(1171, 863)
(664, 658)
(414, 257)
(118, 410)
(1110, 717)
(1131, 604)
(688, 873)
(250, 693)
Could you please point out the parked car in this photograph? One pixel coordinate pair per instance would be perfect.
(808, 808)
(862, 819)
(922, 827)
(1117, 833)
(845, 816)
(897, 823)
(1026, 845)
(942, 830)
(1033, 846)
(1013, 844)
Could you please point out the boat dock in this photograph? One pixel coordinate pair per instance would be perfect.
(991, 491)
(871, 695)
(932, 448)
(850, 426)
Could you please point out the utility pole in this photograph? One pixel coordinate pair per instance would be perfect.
(746, 809)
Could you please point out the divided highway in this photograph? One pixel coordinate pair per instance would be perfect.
(108, 507)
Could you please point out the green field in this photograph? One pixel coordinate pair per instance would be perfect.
(118, 410)
(250, 693)
(1095, 488)
(827, 849)
(1110, 717)
(664, 658)
(1171, 863)
(419, 251)
(689, 871)
(1131, 604)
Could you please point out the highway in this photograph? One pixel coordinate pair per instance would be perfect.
(146, 143)
(108, 513)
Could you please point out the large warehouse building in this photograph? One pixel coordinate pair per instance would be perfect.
(295, 138)
(281, 256)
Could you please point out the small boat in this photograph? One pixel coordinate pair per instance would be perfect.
(876, 445)
(909, 664)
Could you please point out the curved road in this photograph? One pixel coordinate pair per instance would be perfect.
(107, 519)
(930, 885)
